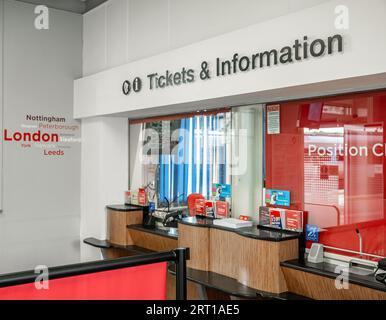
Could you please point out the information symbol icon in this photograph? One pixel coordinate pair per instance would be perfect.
(126, 87)
(137, 84)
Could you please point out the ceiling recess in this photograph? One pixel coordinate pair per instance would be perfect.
(77, 6)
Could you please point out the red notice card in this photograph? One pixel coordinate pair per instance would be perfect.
(293, 220)
(200, 206)
(222, 209)
(275, 218)
(141, 196)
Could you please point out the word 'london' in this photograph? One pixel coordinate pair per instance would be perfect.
(298, 51)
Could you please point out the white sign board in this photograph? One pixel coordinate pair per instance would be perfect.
(273, 119)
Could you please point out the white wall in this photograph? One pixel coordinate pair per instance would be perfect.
(40, 220)
(1, 99)
(105, 154)
(104, 175)
(120, 31)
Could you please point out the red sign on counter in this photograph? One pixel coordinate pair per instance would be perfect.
(275, 217)
(200, 206)
(222, 209)
(293, 220)
(142, 199)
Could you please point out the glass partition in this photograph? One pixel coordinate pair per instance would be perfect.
(176, 156)
(184, 155)
(247, 163)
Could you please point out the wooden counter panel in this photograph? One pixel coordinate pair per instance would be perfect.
(260, 263)
(225, 253)
(134, 217)
(152, 241)
(197, 239)
(323, 288)
(117, 222)
(254, 263)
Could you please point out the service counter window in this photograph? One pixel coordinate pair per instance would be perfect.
(181, 155)
(216, 155)
(330, 154)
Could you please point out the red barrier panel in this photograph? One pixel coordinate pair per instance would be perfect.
(147, 282)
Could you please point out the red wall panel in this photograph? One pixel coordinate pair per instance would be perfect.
(341, 193)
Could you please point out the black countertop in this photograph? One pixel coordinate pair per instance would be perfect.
(124, 207)
(158, 232)
(255, 232)
(328, 270)
(105, 244)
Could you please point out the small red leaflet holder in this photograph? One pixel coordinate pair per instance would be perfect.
(192, 202)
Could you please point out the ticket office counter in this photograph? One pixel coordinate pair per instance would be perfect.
(336, 190)
(248, 263)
